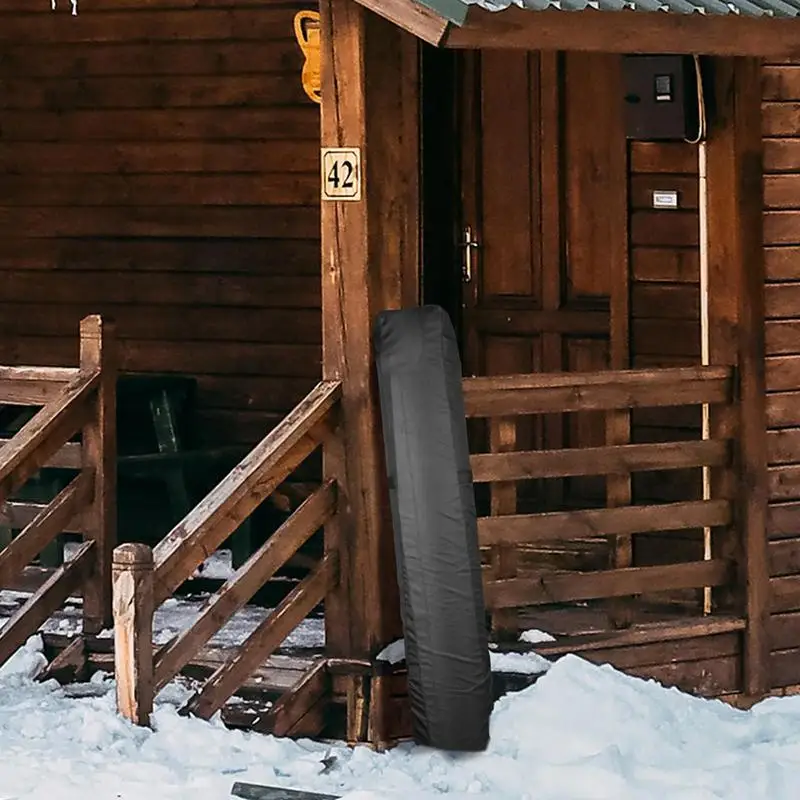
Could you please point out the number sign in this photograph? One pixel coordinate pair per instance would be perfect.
(341, 173)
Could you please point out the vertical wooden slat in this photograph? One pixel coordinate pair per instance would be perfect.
(503, 439)
(365, 256)
(618, 493)
(550, 239)
(618, 422)
(736, 336)
(133, 631)
(99, 454)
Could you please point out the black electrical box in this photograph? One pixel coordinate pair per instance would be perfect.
(662, 101)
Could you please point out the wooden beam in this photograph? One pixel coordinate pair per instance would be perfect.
(51, 595)
(69, 666)
(569, 462)
(236, 592)
(736, 335)
(627, 32)
(68, 457)
(264, 640)
(46, 432)
(48, 523)
(370, 258)
(565, 587)
(609, 460)
(554, 526)
(493, 396)
(296, 703)
(642, 633)
(411, 17)
(218, 515)
(99, 459)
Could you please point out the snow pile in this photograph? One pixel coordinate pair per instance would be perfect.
(581, 733)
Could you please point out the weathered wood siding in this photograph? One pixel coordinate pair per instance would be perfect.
(158, 163)
(781, 121)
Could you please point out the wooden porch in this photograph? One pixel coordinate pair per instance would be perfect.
(575, 541)
(653, 620)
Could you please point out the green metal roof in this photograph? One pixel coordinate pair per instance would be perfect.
(456, 10)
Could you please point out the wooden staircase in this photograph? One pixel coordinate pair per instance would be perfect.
(72, 402)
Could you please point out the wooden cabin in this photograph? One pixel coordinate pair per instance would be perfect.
(159, 167)
(623, 282)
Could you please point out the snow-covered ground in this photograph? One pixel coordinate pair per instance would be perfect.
(582, 732)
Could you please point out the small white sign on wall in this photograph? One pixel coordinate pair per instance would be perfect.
(665, 198)
(341, 173)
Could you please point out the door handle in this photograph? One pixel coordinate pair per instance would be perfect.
(470, 244)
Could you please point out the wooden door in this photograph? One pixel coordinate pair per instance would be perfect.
(544, 199)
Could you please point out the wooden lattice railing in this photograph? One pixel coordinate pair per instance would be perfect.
(73, 401)
(144, 578)
(504, 532)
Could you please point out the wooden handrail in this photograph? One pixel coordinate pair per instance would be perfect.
(68, 457)
(75, 400)
(218, 515)
(47, 524)
(237, 590)
(266, 638)
(50, 596)
(57, 376)
(548, 393)
(33, 385)
(663, 377)
(46, 433)
(143, 579)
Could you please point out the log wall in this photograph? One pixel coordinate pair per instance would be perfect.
(158, 164)
(781, 123)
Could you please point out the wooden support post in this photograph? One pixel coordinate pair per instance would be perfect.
(736, 336)
(503, 500)
(99, 454)
(133, 631)
(358, 708)
(370, 257)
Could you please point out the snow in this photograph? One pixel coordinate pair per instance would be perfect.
(176, 614)
(517, 663)
(535, 637)
(582, 732)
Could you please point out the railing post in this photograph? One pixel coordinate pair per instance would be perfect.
(99, 454)
(503, 439)
(133, 631)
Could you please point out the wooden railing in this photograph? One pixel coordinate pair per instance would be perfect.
(144, 578)
(74, 401)
(502, 399)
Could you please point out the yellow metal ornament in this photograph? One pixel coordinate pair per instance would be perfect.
(306, 30)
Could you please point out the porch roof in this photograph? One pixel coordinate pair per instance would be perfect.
(761, 28)
(456, 10)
